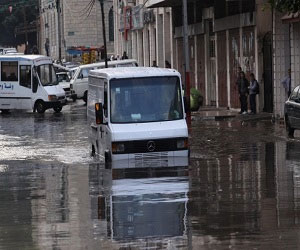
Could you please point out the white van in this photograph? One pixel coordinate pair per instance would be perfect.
(137, 114)
(79, 82)
(29, 82)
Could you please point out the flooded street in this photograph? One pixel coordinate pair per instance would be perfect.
(241, 189)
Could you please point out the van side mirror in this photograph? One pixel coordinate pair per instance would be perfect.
(99, 113)
(35, 84)
(187, 106)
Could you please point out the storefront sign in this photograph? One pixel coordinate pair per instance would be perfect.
(137, 17)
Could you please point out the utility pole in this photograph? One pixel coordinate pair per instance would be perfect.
(186, 61)
(104, 34)
(25, 29)
(59, 29)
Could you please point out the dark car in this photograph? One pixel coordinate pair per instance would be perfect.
(292, 112)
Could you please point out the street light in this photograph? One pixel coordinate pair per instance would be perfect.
(103, 30)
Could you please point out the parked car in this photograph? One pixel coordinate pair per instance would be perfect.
(63, 79)
(79, 81)
(292, 112)
(4, 51)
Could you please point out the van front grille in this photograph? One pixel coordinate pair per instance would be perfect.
(151, 160)
(150, 146)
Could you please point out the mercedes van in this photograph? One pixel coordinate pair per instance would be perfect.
(137, 114)
(29, 82)
(79, 81)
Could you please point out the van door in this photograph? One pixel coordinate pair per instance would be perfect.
(25, 86)
(9, 86)
(103, 135)
(81, 83)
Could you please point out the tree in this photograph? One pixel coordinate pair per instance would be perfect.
(12, 17)
(290, 6)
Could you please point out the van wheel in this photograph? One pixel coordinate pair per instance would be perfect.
(40, 107)
(57, 109)
(74, 99)
(289, 129)
(85, 96)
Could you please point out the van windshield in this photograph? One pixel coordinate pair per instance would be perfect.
(47, 74)
(149, 99)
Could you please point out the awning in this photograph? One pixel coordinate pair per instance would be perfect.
(163, 3)
(291, 17)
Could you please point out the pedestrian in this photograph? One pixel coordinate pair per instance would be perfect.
(47, 44)
(124, 55)
(154, 64)
(35, 50)
(287, 83)
(168, 65)
(243, 85)
(253, 91)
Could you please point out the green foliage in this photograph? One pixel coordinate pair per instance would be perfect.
(290, 6)
(9, 21)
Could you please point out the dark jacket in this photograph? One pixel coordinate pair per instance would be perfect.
(253, 87)
(243, 85)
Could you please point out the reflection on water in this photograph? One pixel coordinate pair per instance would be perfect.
(240, 191)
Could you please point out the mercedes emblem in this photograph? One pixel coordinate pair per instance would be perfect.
(151, 146)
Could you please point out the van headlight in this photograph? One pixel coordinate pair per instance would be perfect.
(117, 147)
(52, 98)
(182, 143)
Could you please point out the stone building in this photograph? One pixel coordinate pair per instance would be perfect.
(81, 25)
(223, 35)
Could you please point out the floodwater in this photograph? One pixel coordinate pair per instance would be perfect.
(241, 189)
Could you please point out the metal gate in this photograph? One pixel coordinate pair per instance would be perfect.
(268, 73)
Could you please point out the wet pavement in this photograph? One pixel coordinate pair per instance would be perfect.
(241, 189)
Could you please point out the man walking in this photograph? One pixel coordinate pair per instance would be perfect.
(243, 85)
(253, 89)
(287, 83)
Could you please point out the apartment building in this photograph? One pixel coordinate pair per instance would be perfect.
(80, 26)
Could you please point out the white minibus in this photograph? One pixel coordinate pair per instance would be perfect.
(29, 82)
(79, 81)
(137, 114)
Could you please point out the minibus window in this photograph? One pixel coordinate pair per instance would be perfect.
(47, 74)
(85, 73)
(148, 99)
(25, 76)
(9, 71)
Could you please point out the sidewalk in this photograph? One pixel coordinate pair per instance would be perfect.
(220, 114)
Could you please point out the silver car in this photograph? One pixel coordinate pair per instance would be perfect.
(292, 112)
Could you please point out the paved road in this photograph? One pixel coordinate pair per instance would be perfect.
(241, 189)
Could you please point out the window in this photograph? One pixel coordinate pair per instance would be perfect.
(85, 73)
(111, 25)
(25, 76)
(9, 71)
(47, 75)
(294, 94)
(146, 99)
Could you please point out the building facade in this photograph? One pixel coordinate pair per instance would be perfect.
(80, 26)
(223, 35)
